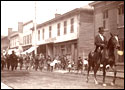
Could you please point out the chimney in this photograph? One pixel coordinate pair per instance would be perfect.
(20, 27)
(9, 31)
(57, 15)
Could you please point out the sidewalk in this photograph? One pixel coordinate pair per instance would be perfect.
(4, 86)
(110, 74)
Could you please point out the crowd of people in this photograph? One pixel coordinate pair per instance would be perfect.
(29, 62)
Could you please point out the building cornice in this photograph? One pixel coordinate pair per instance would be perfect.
(65, 15)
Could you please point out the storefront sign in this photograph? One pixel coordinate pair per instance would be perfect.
(50, 40)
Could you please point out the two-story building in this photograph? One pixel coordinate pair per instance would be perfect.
(27, 35)
(110, 15)
(68, 34)
(15, 39)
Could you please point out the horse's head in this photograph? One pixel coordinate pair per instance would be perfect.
(114, 41)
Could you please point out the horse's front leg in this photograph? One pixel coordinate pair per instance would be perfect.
(88, 73)
(115, 72)
(95, 71)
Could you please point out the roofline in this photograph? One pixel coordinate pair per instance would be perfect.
(4, 37)
(28, 22)
(14, 34)
(95, 2)
(74, 11)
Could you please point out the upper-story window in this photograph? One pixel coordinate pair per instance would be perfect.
(50, 30)
(27, 39)
(121, 9)
(105, 14)
(72, 25)
(38, 35)
(30, 38)
(65, 27)
(23, 40)
(58, 28)
(43, 35)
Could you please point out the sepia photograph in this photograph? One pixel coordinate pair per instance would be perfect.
(62, 44)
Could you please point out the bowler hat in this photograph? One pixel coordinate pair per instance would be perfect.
(101, 29)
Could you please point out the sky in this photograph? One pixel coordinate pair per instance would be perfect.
(13, 12)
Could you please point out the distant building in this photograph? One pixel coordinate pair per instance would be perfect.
(15, 37)
(27, 35)
(110, 15)
(4, 43)
(71, 34)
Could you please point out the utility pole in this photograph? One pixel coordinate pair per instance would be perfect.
(35, 31)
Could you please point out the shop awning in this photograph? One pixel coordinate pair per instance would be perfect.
(29, 50)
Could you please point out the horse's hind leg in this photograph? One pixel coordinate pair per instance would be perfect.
(104, 74)
(115, 71)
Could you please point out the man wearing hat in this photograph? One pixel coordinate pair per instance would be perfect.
(100, 39)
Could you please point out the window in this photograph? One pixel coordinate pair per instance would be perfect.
(50, 29)
(58, 28)
(121, 9)
(105, 14)
(23, 40)
(30, 38)
(43, 34)
(38, 35)
(72, 25)
(65, 27)
(27, 39)
(104, 23)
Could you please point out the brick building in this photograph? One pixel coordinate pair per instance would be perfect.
(110, 15)
(70, 33)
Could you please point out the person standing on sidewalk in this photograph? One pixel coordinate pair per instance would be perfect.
(79, 65)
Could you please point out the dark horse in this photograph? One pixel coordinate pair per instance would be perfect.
(107, 58)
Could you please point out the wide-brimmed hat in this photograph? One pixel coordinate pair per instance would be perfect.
(101, 29)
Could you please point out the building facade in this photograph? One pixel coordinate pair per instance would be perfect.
(4, 43)
(110, 15)
(15, 40)
(27, 35)
(67, 34)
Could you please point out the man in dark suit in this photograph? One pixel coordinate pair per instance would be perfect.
(100, 40)
(14, 61)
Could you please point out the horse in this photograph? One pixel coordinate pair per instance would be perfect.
(107, 58)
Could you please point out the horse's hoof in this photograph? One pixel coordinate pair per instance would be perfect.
(112, 84)
(87, 81)
(104, 84)
(96, 83)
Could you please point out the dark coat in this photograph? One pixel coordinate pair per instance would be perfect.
(99, 41)
(13, 59)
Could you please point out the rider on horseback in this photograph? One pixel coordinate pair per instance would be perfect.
(100, 41)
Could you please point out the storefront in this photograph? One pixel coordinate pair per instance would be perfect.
(66, 48)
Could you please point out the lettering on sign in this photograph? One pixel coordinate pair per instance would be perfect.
(50, 40)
